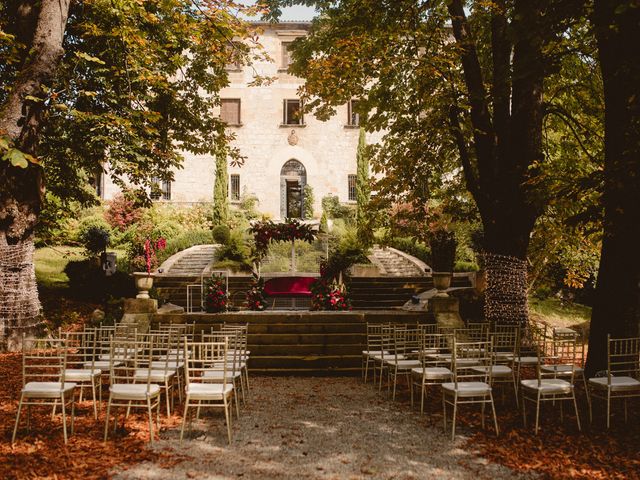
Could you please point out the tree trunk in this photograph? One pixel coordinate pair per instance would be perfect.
(21, 189)
(507, 141)
(616, 309)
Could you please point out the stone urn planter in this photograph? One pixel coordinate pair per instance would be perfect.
(442, 281)
(144, 282)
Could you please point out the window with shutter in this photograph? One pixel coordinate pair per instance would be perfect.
(354, 117)
(292, 112)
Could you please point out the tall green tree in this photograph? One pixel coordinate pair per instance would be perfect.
(617, 306)
(363, 186)
(95, 86)
(221, 192)
(470, 95)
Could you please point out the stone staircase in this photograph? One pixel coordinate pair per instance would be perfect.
(393, 263)
(301, 343)
(191, 262)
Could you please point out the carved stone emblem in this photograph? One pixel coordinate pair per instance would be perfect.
(292, 138)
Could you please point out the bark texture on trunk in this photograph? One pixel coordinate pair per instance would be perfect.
(616, 310)
(21, 189)
(507, 141)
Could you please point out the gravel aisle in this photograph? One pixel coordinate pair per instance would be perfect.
(318, 428)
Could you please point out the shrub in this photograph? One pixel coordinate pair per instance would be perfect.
(221, 234)
(462, 266)
(334, 209)
(443, 250)
(95, 240)
(122, 212)
(95, 219)
(235, 249)
(88, 281)
(216, 298)
(412, 247)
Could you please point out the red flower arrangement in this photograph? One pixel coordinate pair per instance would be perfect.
(292, 229)
(255, 296)
(329, 296)
(216, 298)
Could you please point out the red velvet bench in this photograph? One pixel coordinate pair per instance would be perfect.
(295, 287)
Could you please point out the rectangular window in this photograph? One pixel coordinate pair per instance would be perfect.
(230, 111)
(292, 112)
(160, 189)
(235, 187)
(354, 117)
(285, 52)
(351, 180)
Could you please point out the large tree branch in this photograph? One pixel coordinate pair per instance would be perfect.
(470, 176)
(501, 56)
(480, 117)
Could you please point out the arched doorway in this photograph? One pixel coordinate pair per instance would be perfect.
(293, 178)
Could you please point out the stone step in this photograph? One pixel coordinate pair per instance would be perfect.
(296, 350)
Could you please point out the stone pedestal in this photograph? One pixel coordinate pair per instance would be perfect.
(446, 311)
(139, 311)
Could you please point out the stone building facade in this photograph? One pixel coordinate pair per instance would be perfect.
(284, 151)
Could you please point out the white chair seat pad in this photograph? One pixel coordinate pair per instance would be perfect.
(403, 363)
(80, 375)
(47, 389)
(618, 384)
(496, 370)
(548, 385)
(387, 356)
(219, 374)
(155, 375)
(526, 360)
(467, 389)
(433, 373)
(208, 391)
(160, 364)
(374, 352)
(561, 369)
(133, 391)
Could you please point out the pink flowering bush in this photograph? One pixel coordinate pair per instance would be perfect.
(122, 213)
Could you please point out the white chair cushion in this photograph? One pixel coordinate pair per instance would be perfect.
(496, 370)
(548, 386)
(387, 355)
(374, 352)
(155, 375)
(208, 391)
(618, 384)
(47, 389)
(219, 374)
(133, 391)
(78, 375)
(403, 363)
(561, 369)
(467, 389)
(433, 373)
(526, 360)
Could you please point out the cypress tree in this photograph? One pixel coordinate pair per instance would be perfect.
(220, 192)
(363, 190)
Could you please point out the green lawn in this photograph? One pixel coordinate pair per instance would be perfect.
(50, 263)
(553, 312)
